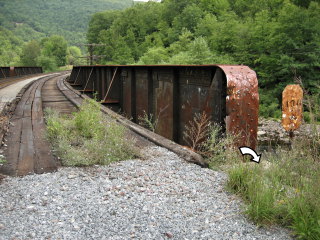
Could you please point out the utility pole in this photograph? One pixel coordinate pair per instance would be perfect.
(92, 58)
(91, 47)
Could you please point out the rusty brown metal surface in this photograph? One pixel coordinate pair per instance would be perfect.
(200, 90)
(127, 78)
(6, 72)
(21, 71)
(175, 93)
(164, 100)
(292, 108)
(242, 104)
(142, 89)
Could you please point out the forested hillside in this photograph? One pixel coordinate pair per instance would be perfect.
(34, 19)
(38, 32)
(279, 39)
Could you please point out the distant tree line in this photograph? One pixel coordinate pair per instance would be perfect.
(279, 39)
(50, 53)
(36, 19)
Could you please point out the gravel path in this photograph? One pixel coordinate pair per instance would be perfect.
(160, 198)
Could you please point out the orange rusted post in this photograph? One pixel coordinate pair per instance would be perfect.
(292, 97)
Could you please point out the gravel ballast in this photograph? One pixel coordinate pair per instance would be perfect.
(163, 197)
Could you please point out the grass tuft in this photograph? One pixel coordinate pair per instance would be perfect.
(87, 137)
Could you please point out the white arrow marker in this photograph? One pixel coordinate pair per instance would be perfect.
(247, 150)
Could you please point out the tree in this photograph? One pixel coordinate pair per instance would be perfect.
(55, 47)
(100, 21)
(74, 54)
(199, 52)
(30, 52)
(47, 63)
(188, 19)
(156, 55)
(9, 48)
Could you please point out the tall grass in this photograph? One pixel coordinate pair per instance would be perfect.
(87, 137)
(284, 191)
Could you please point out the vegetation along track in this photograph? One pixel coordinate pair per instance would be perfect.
(26, 149)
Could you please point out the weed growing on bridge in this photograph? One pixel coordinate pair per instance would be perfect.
(87, 137)
(208, 139)
(149, 121)
(2, 159)
(197, 131)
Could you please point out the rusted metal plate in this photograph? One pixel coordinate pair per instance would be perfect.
(242, 104)
(142, 88)
(164, 103)
(292, 108)
(127, 77)
(197, 95)
(18, 71)
(13, 72)
(4, 72)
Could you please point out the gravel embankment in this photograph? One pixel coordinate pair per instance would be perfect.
(160, 198)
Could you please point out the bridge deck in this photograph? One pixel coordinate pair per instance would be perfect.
(27, 149)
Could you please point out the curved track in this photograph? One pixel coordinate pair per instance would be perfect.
(26, 148)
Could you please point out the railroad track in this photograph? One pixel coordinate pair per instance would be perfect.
(26, 149)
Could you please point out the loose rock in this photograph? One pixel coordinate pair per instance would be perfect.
(159, 198)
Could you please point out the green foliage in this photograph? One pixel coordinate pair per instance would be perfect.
(55, 47)
(88, 137)
(50, 53)
(2, 159)
(36, 19)
(48, 63)
(278, 39)
(73, 56)
(148, 121)
(87, 120)
(30, 21)
(9, 48)
(219, 149)
(30, 53)
(156, 55)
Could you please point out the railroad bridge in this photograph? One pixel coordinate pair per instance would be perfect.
(171, 93)
(175, 93)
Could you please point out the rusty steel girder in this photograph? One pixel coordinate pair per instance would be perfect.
(175, 93)
(242, 104)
